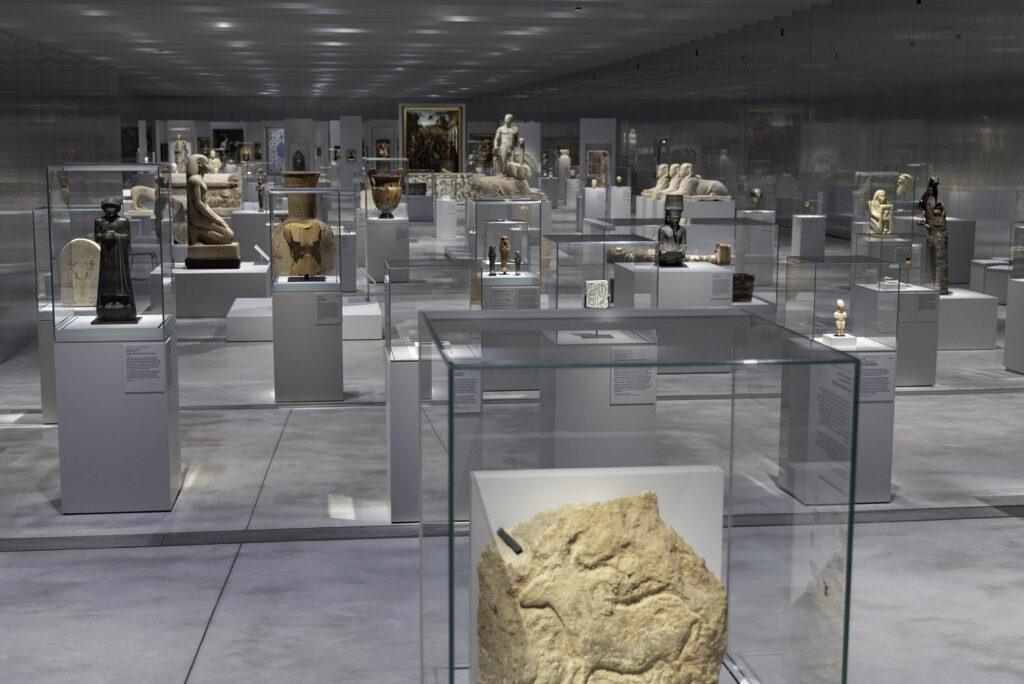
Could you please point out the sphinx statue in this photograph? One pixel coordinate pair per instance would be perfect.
(660, 184)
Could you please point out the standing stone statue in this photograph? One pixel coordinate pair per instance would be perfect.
(261, 190)
(506, 139)
(180, 153)
(298, 161)
(519, 263)
(115, 300)
(504, 248)
(672, 235)
(840, 318)
(937, 259)
(491, 256)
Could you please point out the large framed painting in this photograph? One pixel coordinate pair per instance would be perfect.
(432, 137)
(228, 141)
(772, 141)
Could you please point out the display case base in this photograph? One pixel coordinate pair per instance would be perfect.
(967, 320)
(809, 235)
(209, 293)
(308, 363)
(979, 268)
(996, 278)
(698, 283)
(1013, 354)
(386, 240)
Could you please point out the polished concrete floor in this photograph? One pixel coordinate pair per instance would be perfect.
(278, 564)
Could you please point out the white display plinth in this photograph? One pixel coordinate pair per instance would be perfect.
(47, 378)
(308, 346)
(1013, 354)
(634, 285)
(386, 240)
(210, 292)
(595, 203)
(759, 215)
(917, 329)
(620, 202)
(755, 249)
(550, 187)
(978, 270)
(689, 500)
(808, 235)
(119, 447)
(251, 228)
(572, 190)
(251, 320)
(841, 342)
(591, 422)
(967, 320)
(509, 292)
(446, 226)
(363, 320)
(996, 278)
(696, 284)
(402, 410)
(347, 266)
(961, 250)
(707, 209)
(876, 415)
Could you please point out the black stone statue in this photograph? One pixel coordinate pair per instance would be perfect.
(491, 256)
(672, 235)
(937, 258)
(298, 161)
(931, 191)
(115, 300)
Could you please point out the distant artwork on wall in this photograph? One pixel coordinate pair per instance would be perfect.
(228, 140)
(275, 150)
(480, 148)
(245, 153)
(129, 143)
(597, 168)
(382, 148)
(257, 151)
(203, 143)
(772, 141)
(432, 137)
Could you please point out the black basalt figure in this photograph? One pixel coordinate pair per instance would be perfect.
(115, 300)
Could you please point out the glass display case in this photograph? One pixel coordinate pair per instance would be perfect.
(907, 249)
(866, 185)
(572, 260)
(868, 286)
(636, 404)
(424, 285)
(305, 230)
(480, 211)
(1017, 251)
(103, 273)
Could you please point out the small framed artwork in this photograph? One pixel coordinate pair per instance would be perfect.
(432, 137)
(203, 143)
(350, 156)
(245, 153)
(257, 151)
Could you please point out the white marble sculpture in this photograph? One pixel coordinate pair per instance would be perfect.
(674, 179)
(506, 141)
(904, 184)
(79, 272)
(513, 167)
(880, 212)
(694, 187)
(661, 183)
(180, 153)
(599, 592)
(215, 162)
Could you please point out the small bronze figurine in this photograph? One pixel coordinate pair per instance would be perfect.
(504, 248)
(519, 263)
(490, 257)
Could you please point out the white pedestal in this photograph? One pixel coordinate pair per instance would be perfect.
(402, 410)
(446, 224)
(347, 267)
(551, 187)
(1013, 354)
(595, 203)
(755, 249)
(759, 215)
(842, 343)
(589, 422)
(621, 202)
(808, 235)
(509, 292)
(363, 320)
(689, 500)
(308, 346)
(251, 228)
(978, 269)
(634, 285)
(697, 284)
(386, 240)
(967, 320)
(47, 378)
(251, 320)
(210, 292)
(961, 249)
(572, 189)
(917, 329)
(705, 209)
(996, 278)
(119, 450)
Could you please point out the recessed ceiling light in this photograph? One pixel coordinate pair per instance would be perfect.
(338, 29)
(223, 24)
(332, 43)
(459, 18)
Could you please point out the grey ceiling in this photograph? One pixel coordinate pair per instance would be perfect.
(393, 48)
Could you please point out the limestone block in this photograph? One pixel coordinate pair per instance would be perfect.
(79, 272)
(601, 592)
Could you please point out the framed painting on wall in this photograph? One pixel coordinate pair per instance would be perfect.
(227, 140)
(432, 137)
(203, 143)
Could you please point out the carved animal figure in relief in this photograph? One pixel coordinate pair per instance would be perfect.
(601, 592)
(79, 272)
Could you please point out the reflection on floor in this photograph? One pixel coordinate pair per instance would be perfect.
(260, 572)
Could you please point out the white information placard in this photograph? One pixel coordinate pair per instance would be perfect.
(144, 368)
(634, 384)
(328, 308)
(466, 390)
(877, 376)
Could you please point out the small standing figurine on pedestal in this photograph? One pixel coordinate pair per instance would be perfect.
(519, 263)
(937, 261)
(115, 299)
(840, 317)
(491, 255)
(504, 249)
(261, 190)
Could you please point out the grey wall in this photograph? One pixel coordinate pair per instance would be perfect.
(55, 109)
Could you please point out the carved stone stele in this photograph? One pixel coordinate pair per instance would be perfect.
(602, 592)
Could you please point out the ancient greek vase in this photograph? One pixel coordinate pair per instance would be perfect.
(386, 191)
